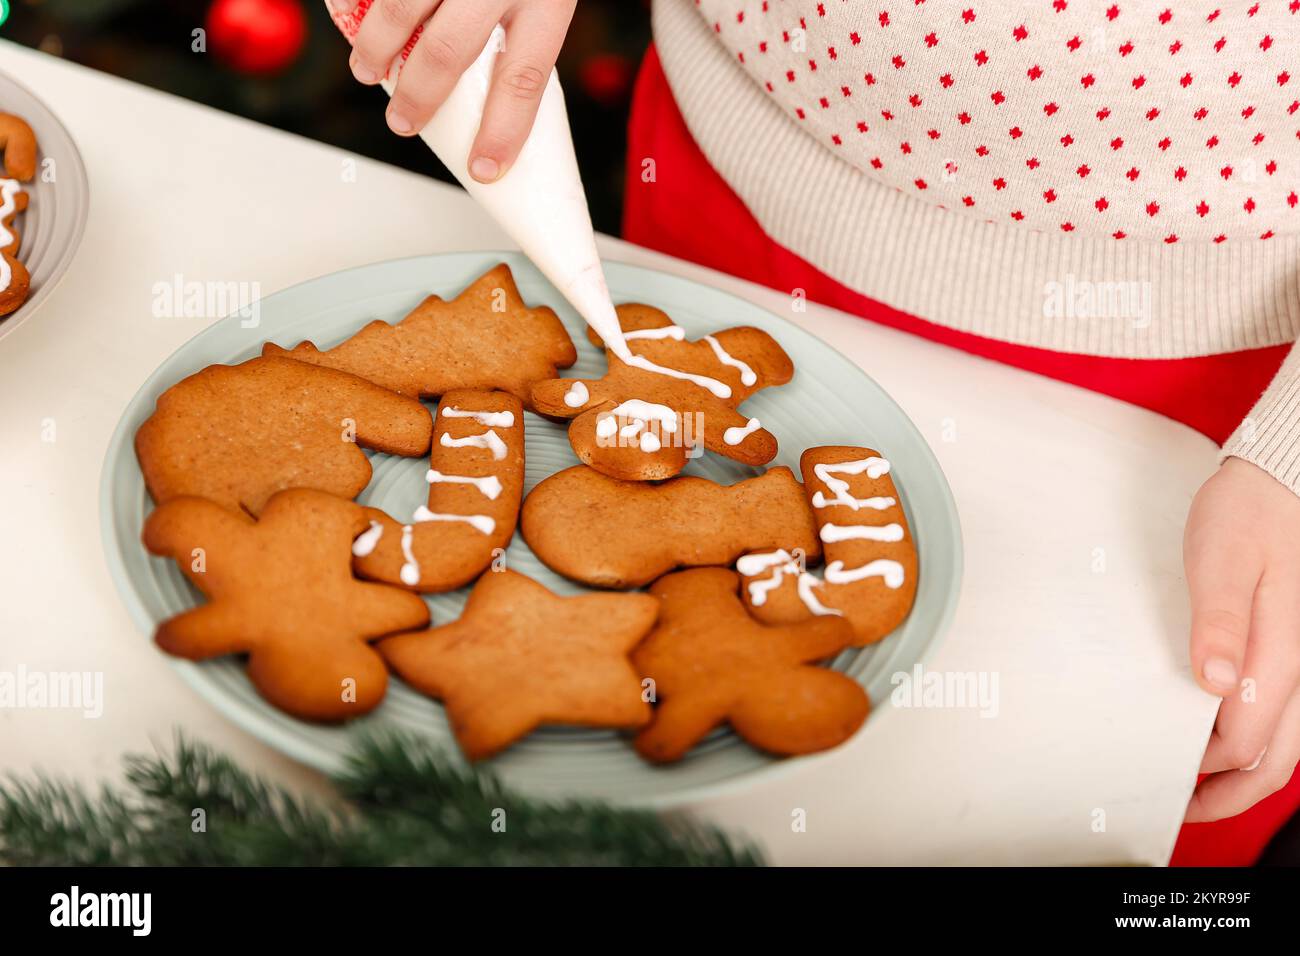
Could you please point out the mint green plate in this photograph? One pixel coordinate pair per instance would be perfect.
(830, 402)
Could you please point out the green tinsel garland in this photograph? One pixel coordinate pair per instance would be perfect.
(405, 806)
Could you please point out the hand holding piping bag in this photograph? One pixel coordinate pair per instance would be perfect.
(475, 79)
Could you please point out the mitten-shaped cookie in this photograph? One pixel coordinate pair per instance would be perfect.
(623, 534)
(712, 663)
(640, 420)
(237, 434)
(476, 479)
(485, 338)
(520, 656)
(281, 590)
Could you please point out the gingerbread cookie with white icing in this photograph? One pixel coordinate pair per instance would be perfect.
(486, 338)
(641, 420)
(870, 575)
(19, 145)
(611, 533)
(237, 434)
(476, 481)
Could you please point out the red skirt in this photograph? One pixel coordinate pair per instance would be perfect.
(689, 208)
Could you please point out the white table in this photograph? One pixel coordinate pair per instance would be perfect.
(1072, 508)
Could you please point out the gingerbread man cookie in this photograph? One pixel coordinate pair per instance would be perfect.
(623, 534)
(237, 434)
(476, 480)
(641, 420)
(520, 656)
(19, 145)
(871, 565)
(712, 663)
(281, 590)
(486, 338)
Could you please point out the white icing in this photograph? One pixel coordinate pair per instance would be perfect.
(891, 571)
(675, 332)
(833, 533)
(486, 419)
(577, 395)
(647, 411)
(9, 191)
(411, 569)
(720, 389)
(781, 563)
(483, 523)
(639, 414)
(747, 376)
(826, 471)
(489, 485)
(489, 440)
(737, 434)
(368, 539)
(805, 585)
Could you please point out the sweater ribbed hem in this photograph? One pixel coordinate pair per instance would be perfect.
(1106, 297)
(1270, 435)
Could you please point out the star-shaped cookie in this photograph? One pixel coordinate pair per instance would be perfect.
(711, 662)
(520, 656)
(485, 338)
(281, 590)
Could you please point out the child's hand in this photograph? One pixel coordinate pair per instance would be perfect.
(451, 41)
(1242, 554)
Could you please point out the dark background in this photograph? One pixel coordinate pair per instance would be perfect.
(313, 94)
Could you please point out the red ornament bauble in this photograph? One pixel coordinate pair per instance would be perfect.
(257, 36)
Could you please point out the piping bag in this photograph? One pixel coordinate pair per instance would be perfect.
(539, 201)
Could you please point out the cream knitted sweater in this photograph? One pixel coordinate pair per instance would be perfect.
(1080, 175)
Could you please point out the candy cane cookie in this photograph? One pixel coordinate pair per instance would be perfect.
(870, 572)
(476, 480)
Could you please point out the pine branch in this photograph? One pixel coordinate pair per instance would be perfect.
(406, 805)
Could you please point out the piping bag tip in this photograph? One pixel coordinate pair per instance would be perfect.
(539, 201)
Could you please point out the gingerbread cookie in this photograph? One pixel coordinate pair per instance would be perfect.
(236, 434)
(19, 145)
(623, 534)
(476, 480)
(520, 656)
(281, 590)
(712, 663)
(641, 420)
(871, 565)
(486, 338)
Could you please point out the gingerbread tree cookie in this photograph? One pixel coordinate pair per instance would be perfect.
(520, 656)
(281, 590)
(623, 534)
(485, 338)
(870, 575)
(476, 480)
(712, 663)
(237, 434)
(640, 421)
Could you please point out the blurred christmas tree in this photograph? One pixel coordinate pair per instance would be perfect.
(282, 62)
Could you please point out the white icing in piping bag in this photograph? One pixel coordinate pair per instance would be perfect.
(539, 201)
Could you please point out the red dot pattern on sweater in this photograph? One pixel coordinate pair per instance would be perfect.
(1133, 120)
